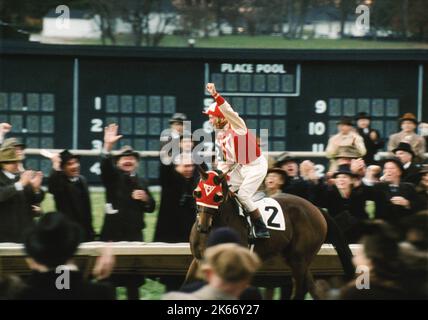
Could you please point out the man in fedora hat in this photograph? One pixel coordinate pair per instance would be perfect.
(127, 195)
(127, 200)
(405, 154)
(347, 138)
(371, 137)
(20, 192)
(70, 191)
(175, 130)
(408, 124)
(294, 183)
(19, 148)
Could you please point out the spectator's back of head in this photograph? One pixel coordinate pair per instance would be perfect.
(415, 229)
(380, 243)
(231, 262)
(223, 235)
(10, 287)
(53, 240)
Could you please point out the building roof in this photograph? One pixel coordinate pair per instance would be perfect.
(326, 13)
(74, 14)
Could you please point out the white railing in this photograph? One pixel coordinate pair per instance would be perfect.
(154, 154)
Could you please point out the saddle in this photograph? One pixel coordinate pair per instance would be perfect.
(243, 212)
(270, 210)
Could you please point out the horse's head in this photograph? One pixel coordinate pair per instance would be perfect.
(209, 194)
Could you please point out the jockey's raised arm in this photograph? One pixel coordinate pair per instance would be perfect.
(236, 123)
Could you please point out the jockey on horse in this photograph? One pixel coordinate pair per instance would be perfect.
(241, 152)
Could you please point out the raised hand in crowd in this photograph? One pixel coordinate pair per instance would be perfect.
(111, 136)
(36, 180)
(308, 171)
(25, 178)
(37, 210)
(401, 201)
(56, 162)
(140, 195)
(5, 127)
(54, 157)
(358, 166)
(104, 264)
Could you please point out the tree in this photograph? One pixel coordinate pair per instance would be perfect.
(148, 20)
(197, 15)
(107, 12)
(346, 7)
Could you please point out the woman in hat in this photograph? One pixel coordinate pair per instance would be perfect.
(345, 200)
(422, 188)
(408, 124)
(275, 180)
(393, 198)
(371, 137)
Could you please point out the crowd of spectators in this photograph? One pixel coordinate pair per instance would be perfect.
(358, 187)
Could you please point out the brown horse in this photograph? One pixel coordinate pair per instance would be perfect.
(307, 228)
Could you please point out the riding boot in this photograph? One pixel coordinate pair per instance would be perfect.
(260, 229)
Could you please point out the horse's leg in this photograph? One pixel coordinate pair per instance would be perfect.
(287, 289)
(312, 286)
(299, 269)
(269, 293)
(191, 272)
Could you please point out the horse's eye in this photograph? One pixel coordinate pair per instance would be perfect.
(197, 194)
(218, 197)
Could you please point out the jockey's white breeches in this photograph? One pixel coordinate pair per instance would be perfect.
(247, 178)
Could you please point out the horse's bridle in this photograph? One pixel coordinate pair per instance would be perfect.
(209, 212)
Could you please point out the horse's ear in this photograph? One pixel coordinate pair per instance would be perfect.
(223, 176)
(202, 172)
(217, 180)
(218, 197)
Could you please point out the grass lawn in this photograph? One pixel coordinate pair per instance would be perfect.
(263, 42)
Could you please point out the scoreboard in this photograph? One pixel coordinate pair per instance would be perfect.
(63, 96)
